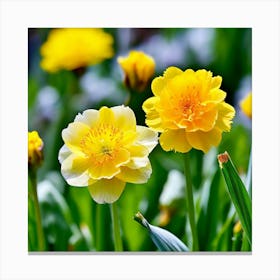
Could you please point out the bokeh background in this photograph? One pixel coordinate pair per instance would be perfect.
(70, 217)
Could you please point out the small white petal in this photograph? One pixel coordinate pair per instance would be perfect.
(146, 137)
(63, 153)
(88, 117)
(74, 177)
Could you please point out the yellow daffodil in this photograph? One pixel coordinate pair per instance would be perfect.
(72, 48)
(188, 109)
(35, 149)
(246, 105)
(138, 68)
(105, 149)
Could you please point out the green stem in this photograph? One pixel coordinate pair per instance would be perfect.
(190, 203)
(116, 227)
(39, 228)
(100, 228)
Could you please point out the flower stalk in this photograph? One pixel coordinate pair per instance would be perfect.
(39, 227)
(100, 228)
(190, 202)
(116, 227)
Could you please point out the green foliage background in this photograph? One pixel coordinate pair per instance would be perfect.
(72, 221)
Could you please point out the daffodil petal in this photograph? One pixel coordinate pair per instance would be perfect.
(171, 72)
(149, 104)
(88, 117)
(137, 162)
(111, 167)
(146, 137)
(107, 171)
(225, 116)
(204, 140)
(74, 170)
(152, 116)
(106, 190)
(215, 96)
(137, 150)
(73, 134)
(63, 153)
(159, 83)
(135, 176)
(207, 121)
(174, 140)
(216, 82)
(124, 118)
(106, 115)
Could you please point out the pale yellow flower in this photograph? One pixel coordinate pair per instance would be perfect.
(105, 149)
(138, 69)
(188, 109)
(35, 149)
(72, 48)
(246, 105)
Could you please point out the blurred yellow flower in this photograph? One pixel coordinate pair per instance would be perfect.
(188, 109)
(35, 149)
(138, 68)
(237, 227)
(246, 105)
(105, 149)
(72, 48)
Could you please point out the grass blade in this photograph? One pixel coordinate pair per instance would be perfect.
(238, 193)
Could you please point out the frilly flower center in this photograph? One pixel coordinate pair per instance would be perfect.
(102, 143)
(186, 106)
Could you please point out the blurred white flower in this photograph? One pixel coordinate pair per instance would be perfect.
(48, 102)
(97, 88)
(200, 41)
(174, 188)
(165, 52)
(175, 51)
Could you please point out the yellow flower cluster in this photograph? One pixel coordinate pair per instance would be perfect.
(35, 147)
(105, 149)
(138, 68)
(189, 110)
(72, 48)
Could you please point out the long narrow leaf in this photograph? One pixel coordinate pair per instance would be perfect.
(163, 239)
(238, 193)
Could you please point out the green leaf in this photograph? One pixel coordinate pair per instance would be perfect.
(61, 232)
(163, 239)
(238, 193)
(246, 246)
(223, 239)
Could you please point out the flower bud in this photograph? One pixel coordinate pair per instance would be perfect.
(138, 70)
(35, 149)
